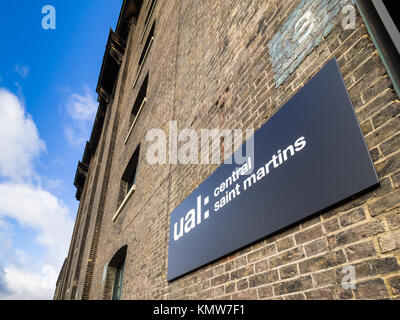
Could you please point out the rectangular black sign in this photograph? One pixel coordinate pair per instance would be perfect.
(309, 156)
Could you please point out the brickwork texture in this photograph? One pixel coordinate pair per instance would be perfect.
(231, 64)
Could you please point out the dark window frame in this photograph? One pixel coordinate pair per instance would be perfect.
(391, 25)
(147, 44)
(115, 275)
(130, 173)
(118, 281)
(376, 24)
(128, 182)
(145, 52)
(137, 107)
(147, 20)
(142, 95)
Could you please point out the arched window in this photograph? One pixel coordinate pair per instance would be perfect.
(115, 275)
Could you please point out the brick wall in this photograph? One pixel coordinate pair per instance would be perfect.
(218, 64)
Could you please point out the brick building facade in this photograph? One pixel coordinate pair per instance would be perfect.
(229, 64)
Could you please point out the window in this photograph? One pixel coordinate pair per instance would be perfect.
(129, 176)
(137, 106)
(389, 14)
(147, 45)
(146, 22)
(394, 14)
(74, 292)
(119, 277)
(114, 275)
(382, 21)
(128, 182)
(145, 51)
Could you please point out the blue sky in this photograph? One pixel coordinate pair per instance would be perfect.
(47, 107)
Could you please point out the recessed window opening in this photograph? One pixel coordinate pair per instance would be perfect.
(146, 22)
(147, 45)
(139, 100)
(115, 275)
(119, 277)
(137, 106)
(145, 51)
(128, 182)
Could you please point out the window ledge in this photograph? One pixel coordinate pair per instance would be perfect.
(127, 197)
(134, 121)
(144, 59)
(148, 21)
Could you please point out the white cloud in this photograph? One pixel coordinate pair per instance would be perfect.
(38, 209)
(81, 110)
(23, 71)
(75, 137)
(82, 107)
(53, 184)
(20, 142)
(25, 275)
(4, 290)
(24, 284)
(6, 233)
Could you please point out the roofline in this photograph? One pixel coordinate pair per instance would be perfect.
(112, 60)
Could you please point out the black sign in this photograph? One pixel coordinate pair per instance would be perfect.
(309, 156)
